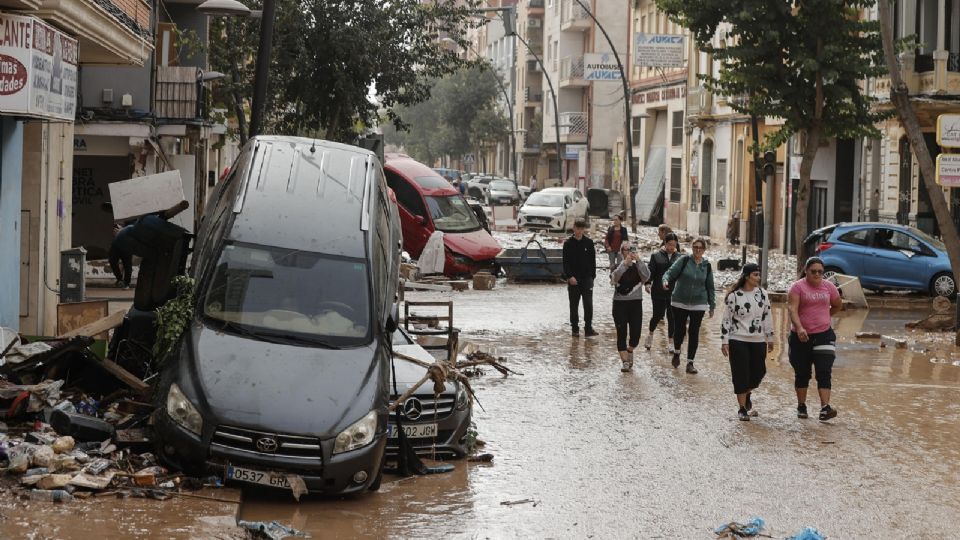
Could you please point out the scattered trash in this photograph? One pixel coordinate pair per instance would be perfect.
(57, 495)
(271, 531)
(808, 533)
(868, 335)
(297, 486)
(521, 501)
(736, 529)
(481, 458)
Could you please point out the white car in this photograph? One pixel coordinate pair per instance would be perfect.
(552, 209)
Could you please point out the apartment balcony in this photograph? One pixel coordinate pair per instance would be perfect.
(574, 127)
(107, 31)
(699, 102)
(528, 145)
(573, 17)
(532, 97)
(936, 74)
(571, 72)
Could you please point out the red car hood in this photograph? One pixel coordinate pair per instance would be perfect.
(478, 245)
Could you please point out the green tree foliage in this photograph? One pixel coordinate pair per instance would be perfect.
(328, 55)
(462, 115)
(799, 60)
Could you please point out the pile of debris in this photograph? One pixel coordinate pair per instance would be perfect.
(74, 425)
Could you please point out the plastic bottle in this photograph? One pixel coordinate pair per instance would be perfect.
(53, 495)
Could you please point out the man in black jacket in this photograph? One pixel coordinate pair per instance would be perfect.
(580, 269)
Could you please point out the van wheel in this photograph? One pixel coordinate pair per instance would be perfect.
(944, 285)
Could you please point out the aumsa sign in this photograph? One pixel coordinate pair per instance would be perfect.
(657, 50)
(600, 67)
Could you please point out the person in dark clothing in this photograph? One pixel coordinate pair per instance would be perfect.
(660, 261)
(616, 236)
(580, 269)
(121, 259)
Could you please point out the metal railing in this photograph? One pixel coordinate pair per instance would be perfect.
(573, 123)
(571, 68)
(572, 12)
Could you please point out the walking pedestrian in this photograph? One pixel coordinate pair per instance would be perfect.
(580, 269)
(691, 279)
(617, 235)
(533, 183)
(813, 301)
(628, 280)
(660, 262)
(746, 336)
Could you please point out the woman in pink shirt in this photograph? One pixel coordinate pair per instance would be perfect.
(813, 301)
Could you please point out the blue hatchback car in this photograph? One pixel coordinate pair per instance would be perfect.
(885, 256)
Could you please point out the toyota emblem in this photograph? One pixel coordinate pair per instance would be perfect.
(412, 408)
(267, 444)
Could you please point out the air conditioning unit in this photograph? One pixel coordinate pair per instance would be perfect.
(534, 23)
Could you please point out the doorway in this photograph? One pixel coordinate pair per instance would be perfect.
(706, 187)
(906, 177)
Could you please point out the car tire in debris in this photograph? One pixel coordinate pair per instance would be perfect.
(944, 285)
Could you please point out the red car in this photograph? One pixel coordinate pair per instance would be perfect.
(428, 202)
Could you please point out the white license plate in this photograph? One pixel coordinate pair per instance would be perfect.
(257, 477)
(414, 431)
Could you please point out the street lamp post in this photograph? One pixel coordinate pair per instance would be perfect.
(626, 105)
(233, 8)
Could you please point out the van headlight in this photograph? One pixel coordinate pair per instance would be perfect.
(462, 398)
(358, 435)
(182, 411)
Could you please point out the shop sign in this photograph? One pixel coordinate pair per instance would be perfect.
(658, 50)
(948, 130)
(948, 170)
(38, 69)
(600, 67)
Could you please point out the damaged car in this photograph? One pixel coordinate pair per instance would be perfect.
(283, 371)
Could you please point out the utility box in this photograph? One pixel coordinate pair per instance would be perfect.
(73, 266)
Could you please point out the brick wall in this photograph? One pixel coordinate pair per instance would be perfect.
(138, 10)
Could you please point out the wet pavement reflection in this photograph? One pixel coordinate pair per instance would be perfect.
(583, 450)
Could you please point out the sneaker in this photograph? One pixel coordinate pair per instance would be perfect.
(690, 369)
(749, 407)
(590, 332)
(627, 366)
(742, 414)
(648, 342)
(802, 411)
(827, 412)
(119, 284)
(676, 360)
(575, 332)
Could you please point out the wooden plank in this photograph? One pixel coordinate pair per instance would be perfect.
(411, 286)
(97, 327)
(128, 378)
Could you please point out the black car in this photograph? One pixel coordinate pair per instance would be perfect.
(284, 368)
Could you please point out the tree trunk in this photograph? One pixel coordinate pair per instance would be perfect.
(802, 204)
(900, 97)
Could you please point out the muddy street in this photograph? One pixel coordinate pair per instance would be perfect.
(583, 450)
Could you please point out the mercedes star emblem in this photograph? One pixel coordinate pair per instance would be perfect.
(412, 408)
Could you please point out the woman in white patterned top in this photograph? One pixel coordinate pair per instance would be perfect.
(747, 336)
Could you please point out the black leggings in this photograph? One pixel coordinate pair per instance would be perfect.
(680, 316)
(748, 364)
(817, 353)
(661, 309)
(628, 314)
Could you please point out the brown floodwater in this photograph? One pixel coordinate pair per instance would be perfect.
(585, 451)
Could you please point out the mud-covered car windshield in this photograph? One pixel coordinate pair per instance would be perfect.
(278, 292)
(452, 214)
(545, 199)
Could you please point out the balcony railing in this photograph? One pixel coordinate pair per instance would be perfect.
(573, 16)
(953, 62)
(573, 127)
(532, 97)
(571, 71)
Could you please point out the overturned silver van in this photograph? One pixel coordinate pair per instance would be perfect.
(285, 366)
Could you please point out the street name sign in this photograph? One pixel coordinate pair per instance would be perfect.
(600, 67)
(948, 170)
(657, 50)
(948, 130)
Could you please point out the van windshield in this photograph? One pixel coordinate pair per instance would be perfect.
(278, 293)
(452, 214)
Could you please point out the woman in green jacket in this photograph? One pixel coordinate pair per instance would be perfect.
(693, 295)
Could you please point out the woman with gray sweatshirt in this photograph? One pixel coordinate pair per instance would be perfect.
(628, 280)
